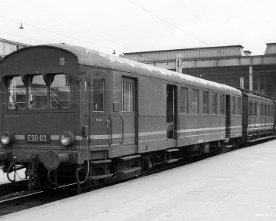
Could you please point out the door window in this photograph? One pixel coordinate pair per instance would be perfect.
(127, 96)
(98, 94)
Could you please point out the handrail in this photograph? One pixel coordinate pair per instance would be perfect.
(123, 129)
(109, 127)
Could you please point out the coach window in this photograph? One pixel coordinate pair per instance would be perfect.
(250, 109)
(255, 109)
(127, 96)
(222, 104)
(17, 93)
(238, 106)
(214, 103)
(59, 92)
(258, 109)
(183, 100)
(205, 102)
(98, 94)
(261, 109)
(233, 106)
(38, 95)
(195, 103)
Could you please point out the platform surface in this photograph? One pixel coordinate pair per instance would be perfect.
(239, 185)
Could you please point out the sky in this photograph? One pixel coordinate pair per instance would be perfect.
(141, 25)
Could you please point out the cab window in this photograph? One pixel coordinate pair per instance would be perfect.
(38, 92)
(38, 95)
(59, 92)
(17, 93)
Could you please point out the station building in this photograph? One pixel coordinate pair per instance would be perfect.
(7, 47)
(229, 65)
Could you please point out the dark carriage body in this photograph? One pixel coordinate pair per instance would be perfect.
(108, 108)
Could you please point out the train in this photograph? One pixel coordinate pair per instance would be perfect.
(72, 115)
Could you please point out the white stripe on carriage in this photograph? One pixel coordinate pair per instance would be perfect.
(195, 135)
(141, 134)
(201, 129)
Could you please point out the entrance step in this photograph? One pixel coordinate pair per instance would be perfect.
(97, 162)
(104, 176)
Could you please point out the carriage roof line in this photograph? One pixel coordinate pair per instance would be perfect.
(95, 58)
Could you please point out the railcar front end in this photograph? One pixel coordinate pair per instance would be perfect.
(40, 112)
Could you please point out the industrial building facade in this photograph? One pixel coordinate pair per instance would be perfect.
(229, 65)
(7, 46)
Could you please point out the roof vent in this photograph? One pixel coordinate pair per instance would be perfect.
(270, 48)
(247, 53)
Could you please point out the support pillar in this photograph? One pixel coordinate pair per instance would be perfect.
(250, 78)
(258, 83)
(265, 84)
(178, 63)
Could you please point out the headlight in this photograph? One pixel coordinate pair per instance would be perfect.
(66, 138)
(6, 138)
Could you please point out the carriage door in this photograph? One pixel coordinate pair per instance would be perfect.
(228, 115)
(99, 111)
(128, 111)
(171, 111)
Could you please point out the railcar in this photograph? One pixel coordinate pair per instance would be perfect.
(74, 115)
(258, 116)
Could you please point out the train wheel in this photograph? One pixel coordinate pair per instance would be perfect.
(12, 172)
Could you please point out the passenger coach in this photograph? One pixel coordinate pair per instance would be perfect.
(71, 114)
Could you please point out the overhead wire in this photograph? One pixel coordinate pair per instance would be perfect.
(101, 36)
(49, 31)
(166, 21)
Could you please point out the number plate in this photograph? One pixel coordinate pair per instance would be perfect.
(37, 138)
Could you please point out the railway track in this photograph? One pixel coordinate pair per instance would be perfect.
(18, 195)
(19, 201)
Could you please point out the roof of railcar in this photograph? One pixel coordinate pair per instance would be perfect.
(98, 59)
(259, 97)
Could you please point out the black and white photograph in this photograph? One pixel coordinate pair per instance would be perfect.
(137, 110)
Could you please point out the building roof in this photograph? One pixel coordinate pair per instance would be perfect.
(13, 42)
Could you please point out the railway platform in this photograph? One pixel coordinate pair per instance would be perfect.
(238, 185)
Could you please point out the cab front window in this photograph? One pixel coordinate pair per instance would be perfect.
(17, 93)
(38, 96)
(38, 92)
(59, 92)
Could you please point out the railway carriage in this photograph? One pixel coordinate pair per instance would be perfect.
(71, 114)
(258, 116)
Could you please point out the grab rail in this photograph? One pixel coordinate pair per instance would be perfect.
(123, 129)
